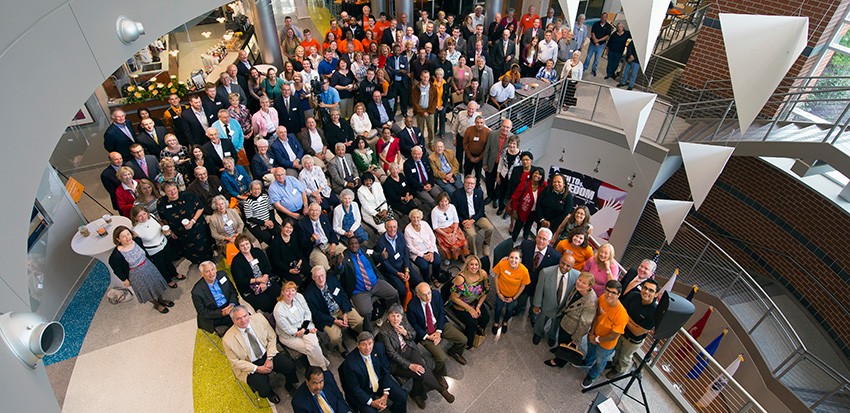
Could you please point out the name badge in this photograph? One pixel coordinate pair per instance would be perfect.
(507, 272)
(219, 187)
(413, 170)
(222, 280)
(169, 206)
(396, 255)
(476, 139)
(255, 261)
(228, 153)
(271, 161)
(336, 291)
(403, 184)
(240, 177)
(370, 252)
(294, 191)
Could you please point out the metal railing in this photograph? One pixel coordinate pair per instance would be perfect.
(703, 263)
(526, 111)
(679, 28)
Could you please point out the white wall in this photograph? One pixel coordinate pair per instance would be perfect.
(53, 54)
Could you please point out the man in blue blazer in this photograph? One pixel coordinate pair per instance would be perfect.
(286, 151)
(318, 239)
(477, 221)
(366, 379)
(420, 177)
(410, 136)
(536, 255)
(427, 314)
(318, 393)
(119, 135)
(393, 257)
(331, 307)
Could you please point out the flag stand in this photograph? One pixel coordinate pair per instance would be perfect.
(632, 375)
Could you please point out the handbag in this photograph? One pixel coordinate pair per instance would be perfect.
(569, 352)
(230, 251)
(118, 295)
(478, 340)
(457, 97)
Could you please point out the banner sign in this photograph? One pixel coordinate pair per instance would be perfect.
(603, 200)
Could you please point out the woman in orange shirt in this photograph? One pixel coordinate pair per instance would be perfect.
(329, 38)
(511, 279)
(576, 242)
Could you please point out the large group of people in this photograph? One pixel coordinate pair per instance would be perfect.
(336, 220)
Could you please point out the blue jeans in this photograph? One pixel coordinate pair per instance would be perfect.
(630, 72)
(593, 52)
(509, 311)
(596, 358)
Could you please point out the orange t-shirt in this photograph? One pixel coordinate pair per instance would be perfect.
(380, 27)
(510, 280)
(337, 33)
(611, 319)
(342, 45)
(580, 254)
(312, 42)
(527, 21)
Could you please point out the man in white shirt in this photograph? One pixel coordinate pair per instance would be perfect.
(550, 296)
(313, 142)
(547, 50)
(502, 93)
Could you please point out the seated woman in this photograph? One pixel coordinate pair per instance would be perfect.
(373, 203)
(511, 279)
(446, 223)
(577, 315)
(225, 223)
(155, 242)
(235, 179)
(468, 295)
(250, 269)
(422, 244)
(514, 76)
(398, 194)
(346, 222)
(576, 242)
(365, 159)
(126, 192)
(399, 340)
(177, 152)
(389, 149)
(182, 212)
(130, 263)
(258, 215)
(361, 124)
(579, 217)
(294, 326)
(603, 266)
(318, 188)
(284, 252)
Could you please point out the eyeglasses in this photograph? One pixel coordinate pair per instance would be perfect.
(614, 292)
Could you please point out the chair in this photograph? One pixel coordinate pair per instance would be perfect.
(502, 250)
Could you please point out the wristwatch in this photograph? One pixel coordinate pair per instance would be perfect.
(597, 340)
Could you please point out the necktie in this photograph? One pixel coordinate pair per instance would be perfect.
(412, 136)
(227, 130)
(126, 131)
(506, 49)
(429, 319)
(366, 282)
(345, 167)
(323, 404)
(286, 103)
(255, 345)
(155, 138)
(373, 378)
(144, 165)
(421, 173)
(537, 258)
(560, 288)
(631, 285)
(318, 229)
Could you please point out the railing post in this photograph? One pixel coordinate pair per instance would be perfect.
(837, 123)
(723, 119)
(534, 115)
(596, 103)
(797, 359)
(746, 407)
(790, 357)
(699, 258)
(841, 131)
(663, 126)
(729, 287)
(672, 120)
(763, 317)
(770, 129)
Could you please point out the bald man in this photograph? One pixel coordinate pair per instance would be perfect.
(550, 296)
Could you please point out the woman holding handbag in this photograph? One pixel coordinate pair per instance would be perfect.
(250, 269)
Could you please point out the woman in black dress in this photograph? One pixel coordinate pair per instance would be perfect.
(250, 269)
(285, 255)
(193, 236)
(555, 203)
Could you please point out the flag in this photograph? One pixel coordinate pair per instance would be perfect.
(695, 331)
(690, 296)
(668, 286)
(655, 258)
(719, 383)
(702, 358)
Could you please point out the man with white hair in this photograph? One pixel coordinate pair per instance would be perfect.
(217, 149)
(214, 297)
(635, 277)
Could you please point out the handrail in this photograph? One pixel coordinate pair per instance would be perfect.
(795, 93)
(705, 84)
(498, 115)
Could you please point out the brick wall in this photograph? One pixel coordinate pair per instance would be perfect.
(773, 224)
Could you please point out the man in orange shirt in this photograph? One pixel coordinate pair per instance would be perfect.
(609, 324)
(528, 18)
(335, 29)
(380, 25)
(310, 41)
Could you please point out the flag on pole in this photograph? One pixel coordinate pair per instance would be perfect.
(702, 358)
(690, 296)
(695, 331)
(657, 255)
(668, 286)
(719, 383)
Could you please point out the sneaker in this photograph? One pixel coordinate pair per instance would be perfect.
(630, 88)
(621, 84)
(587, 382)
(607, 77)
(593, 73)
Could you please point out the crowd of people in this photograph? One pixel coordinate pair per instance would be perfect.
(335, 219)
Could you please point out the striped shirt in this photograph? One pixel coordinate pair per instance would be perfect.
(257, 209)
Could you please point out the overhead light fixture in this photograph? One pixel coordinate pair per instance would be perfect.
(30, 336)
(596, 169)
(206, 34)
(221, 19)
(128, 30)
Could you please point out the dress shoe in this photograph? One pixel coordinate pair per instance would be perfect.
(443, 383)
(607, 77)
(500, 211)
(504, 329)
(613, 374)
(630, 88)
(289, 388)
(621, 84)
(593, 73)
(274, 399)
(494, 330)
(551, 343)
(535, 339)
(420, 402)
(448, 396)
(167, 303)
(459, 358)
(486, 200)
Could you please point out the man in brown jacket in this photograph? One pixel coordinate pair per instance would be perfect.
(474, 141)
(446, 168)
(424, 99)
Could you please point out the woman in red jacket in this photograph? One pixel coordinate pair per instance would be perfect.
(524, 203)
(125, 194)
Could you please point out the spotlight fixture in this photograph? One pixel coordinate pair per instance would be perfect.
(30, 336)
(128, 30)
(563, 152)
(596, 169)
(632, 180)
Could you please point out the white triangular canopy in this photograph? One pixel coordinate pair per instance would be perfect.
(703, 164)
(719, 383)
(672, 214)
(570, 8)
(668, 286)
(612, 6)
(759, 51)
(645, 18)
(633, 108)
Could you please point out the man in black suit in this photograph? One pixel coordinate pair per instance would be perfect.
(205, 187)
(536, 255)
(196, 120)
(214, 297)
(109, 177)
(427, 315)
(119, 135)
(380, 113)
(289, 111)
(430, 36)
(217, 149)
(318, 393)
(243, 70)
(635, 277)
(502, 53)
(388, 35)
(474, 38)
(228, 85)
(359, 277)
(534, 31)
(471, 215)
(409, 137)
(398, 68)
(211, 101)
(367, 381)
(152, 137)
(330, 307)
(143, 166)
(420, 177)
(394, 259)
(319, 241)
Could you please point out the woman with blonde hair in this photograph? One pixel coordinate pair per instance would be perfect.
(147, 197)
(294, 325)
(603, 266)
(468, 295)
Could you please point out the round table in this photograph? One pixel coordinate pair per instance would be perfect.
(521, 93)
(100, 247)
(486, 109)
(265, 68)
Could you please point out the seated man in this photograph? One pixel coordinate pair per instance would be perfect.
(331, 307)
(410, 137)
(446, 168)
(502, 93)
(397, 336)
(366, 379)
(394, 258)
(288, 195)
(214, 298)
(251, 347)
(205, 187)
(360, 281)
(312, 140)
(286, 151)
(343, 171)
(420, 177)
(319, 393)
(427, 314)
(318, 239)
(470, 210)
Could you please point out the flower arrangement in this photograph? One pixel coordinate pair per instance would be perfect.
(155, 91)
